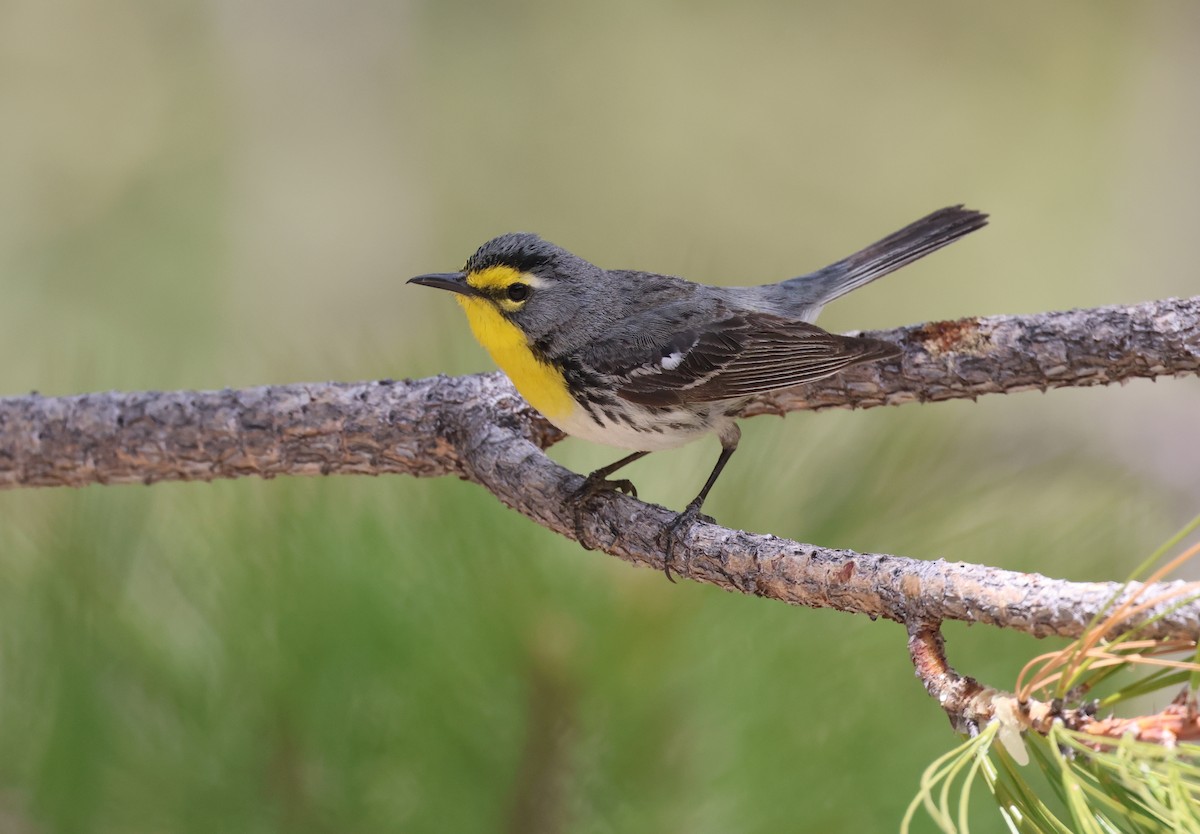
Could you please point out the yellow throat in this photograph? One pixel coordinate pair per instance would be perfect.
(539, 383)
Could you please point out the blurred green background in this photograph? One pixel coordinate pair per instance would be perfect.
(211, 193)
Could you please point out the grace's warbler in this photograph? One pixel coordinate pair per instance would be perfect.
(645, 362)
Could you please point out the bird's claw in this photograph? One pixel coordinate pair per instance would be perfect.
(623, 485)
(593, 486)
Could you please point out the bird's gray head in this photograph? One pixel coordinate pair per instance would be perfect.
(537, 286)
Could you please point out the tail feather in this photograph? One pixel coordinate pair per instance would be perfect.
(914, 241)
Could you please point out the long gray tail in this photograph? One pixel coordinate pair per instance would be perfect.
(914, 241)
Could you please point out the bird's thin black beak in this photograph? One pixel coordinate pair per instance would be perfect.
(453, 281)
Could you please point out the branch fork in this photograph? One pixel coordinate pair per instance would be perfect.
(477, 427)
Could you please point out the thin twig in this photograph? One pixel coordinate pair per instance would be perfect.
(967, 702)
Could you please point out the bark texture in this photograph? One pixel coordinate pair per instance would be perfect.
(477, 427)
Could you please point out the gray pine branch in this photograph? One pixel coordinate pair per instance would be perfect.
(476, 427)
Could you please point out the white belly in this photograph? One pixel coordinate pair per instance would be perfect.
(677, 428)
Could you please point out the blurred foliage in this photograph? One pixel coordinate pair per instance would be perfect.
(210, 193)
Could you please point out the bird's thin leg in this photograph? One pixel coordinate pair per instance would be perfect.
(598, 482)
(691, 514)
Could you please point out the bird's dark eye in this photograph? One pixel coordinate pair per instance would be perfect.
(517, 292)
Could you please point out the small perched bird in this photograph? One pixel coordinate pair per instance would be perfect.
(646, 362)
